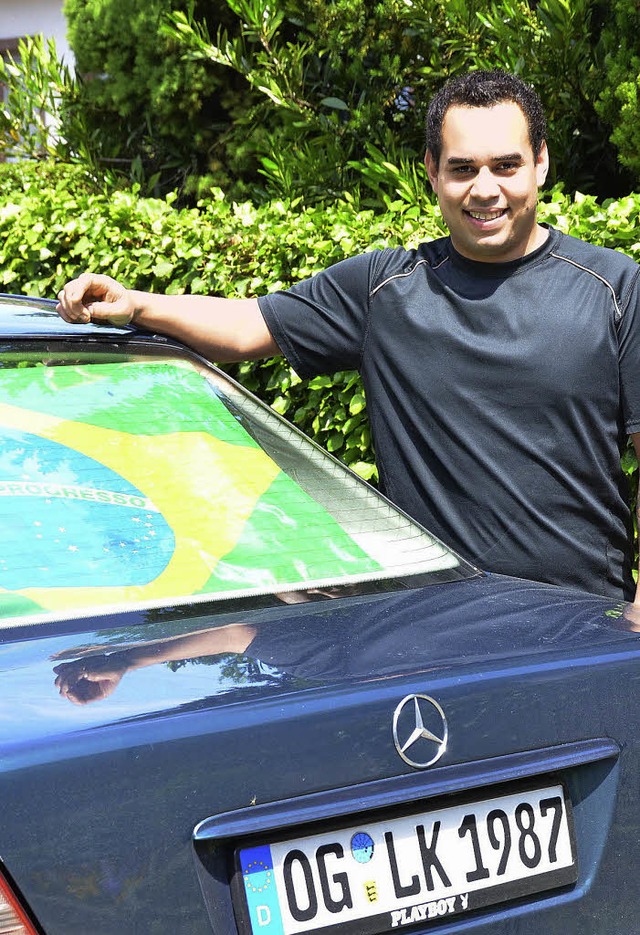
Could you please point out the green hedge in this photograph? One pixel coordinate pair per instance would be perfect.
(53, 225)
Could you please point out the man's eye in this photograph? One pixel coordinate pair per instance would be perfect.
(507, 166)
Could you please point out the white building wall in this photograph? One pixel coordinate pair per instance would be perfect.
(20, 18)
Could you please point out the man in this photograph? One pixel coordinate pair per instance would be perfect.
(499, 363)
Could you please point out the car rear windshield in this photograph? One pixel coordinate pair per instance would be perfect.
(146, 480)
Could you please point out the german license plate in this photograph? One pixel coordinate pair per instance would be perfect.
(384, 875)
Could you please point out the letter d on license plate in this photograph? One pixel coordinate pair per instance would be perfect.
(382, 875)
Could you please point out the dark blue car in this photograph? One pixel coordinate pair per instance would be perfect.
(243, 694)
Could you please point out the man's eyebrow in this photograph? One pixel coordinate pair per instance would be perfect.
(467, 160)
(509, 157)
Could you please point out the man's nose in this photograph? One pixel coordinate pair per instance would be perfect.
(485, 184)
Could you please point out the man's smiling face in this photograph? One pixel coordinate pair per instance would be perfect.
(487, 182)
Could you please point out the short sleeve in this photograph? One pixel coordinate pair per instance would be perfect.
(320, 324)
(629, 358)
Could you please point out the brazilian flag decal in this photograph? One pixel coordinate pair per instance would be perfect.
(131, 482)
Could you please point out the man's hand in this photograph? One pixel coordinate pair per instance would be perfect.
(92, 297)
(92, 678)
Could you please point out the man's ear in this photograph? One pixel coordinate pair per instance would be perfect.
(542, 165)
(432, 170)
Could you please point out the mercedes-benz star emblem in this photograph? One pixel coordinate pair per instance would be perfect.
(420, 729)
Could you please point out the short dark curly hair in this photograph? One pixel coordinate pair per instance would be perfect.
(484, 89)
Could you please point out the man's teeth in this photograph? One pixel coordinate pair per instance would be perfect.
(485, 215)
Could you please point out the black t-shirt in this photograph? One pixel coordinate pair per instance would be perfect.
(499, 395)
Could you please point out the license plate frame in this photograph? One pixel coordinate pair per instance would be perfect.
(428, 908)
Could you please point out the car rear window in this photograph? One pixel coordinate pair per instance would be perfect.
(148, 481)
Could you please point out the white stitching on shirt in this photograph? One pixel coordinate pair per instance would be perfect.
(402, 275)
(586, 269)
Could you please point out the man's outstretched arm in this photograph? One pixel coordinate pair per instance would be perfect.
(223, 330)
